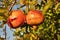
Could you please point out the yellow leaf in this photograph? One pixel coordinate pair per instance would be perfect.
(48, 5)
(2, 10)
(57, 6)
(1, 18)
(22, 1)
(17, 30)
(30, 38)
(58, 37)
(11, 0)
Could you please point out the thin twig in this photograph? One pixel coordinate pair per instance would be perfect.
(12, 5)
(5, 32)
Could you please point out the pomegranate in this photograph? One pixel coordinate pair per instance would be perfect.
(16, 19)
(34, 17)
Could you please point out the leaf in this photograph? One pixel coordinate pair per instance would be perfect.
(56, 6)
(30, 38)
(47, 6)
(10, 0)
(17, 30)
(2, 10)
(58, 37)
(22, 1)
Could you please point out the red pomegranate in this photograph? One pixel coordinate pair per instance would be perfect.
(34, 17)
(16, 19)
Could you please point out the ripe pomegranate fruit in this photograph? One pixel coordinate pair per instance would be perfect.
(34, 17)
(16, 19)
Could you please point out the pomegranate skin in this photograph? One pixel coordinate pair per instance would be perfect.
(16, 19)
(34, 17)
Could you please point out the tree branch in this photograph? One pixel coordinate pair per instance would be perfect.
(12, 5)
